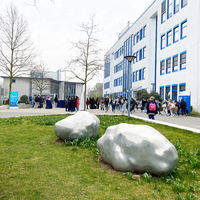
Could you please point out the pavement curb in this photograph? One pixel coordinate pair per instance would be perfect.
(194, 130)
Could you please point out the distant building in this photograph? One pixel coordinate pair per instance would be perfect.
(1, 95)
(165, 41)
(24, 86)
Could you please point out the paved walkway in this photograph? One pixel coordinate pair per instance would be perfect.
(183, 122)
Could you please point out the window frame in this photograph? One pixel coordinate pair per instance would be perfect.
(183, 5)
(176, 5)
(182, 28)
(165, 13)
(167, 68)
(162, 71)
(161, 41)
(167, 38)
(162, 87)
(174, 32)
(169, 6)
(181, 84)
(183, 68)
(174, 70)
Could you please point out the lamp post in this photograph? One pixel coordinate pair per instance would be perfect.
(130, 59)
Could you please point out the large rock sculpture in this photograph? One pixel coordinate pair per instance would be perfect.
(81, 124)
(137, 148)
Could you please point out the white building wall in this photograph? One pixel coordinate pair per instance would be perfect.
(22, 86)
(190, 44)
(79, 90)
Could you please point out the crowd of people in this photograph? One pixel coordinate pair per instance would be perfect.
(150, 106)
(118, 104)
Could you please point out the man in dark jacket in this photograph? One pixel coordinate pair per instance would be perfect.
(183, 106)
(152, 108)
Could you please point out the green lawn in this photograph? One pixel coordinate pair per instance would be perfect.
(34, 166)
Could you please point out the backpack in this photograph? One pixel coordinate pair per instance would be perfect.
(152, 107)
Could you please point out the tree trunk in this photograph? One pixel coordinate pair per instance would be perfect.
(85, 89)
(10, 89)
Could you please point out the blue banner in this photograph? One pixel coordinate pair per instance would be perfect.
(14, 99)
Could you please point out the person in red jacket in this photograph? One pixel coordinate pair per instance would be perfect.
(77, 103)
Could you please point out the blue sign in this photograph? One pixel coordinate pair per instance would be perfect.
(14, 99)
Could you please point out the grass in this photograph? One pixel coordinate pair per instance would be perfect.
(34, 166)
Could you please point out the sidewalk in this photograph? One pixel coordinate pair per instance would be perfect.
(183, 122)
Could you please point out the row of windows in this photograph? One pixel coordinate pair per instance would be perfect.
(119, 52)
(139, 35)
(167, 92)
(140, 55)
(118, 81)
(106, 85)
(106, 70)
(118, 67)
(173, 35)
(131, 41)
(139, 75)
(172, 64)
(171, 6)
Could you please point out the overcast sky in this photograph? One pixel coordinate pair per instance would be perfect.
(53, 25)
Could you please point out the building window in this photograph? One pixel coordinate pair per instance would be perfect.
(183, 3)
(168, 65)
(182, 87)
(140, 54)
(137, 76)
(174, 92)
(169, 38)
(144, 52)
(140, 75)
(162, 92)
(138, 37)
(144, 31)
(133, 76)
(106, 85)
(176, 6)
(163, 11)
(162, 67)
(134, 57)
(141, 34)
(162, 42)
(184, 29)
(175, 34)
(106, 70)
(137, 56)
(175, 63)
(167, 92)
(183, 60)
(14, 80)
(135, 39)
(169, 8)
(143, 73)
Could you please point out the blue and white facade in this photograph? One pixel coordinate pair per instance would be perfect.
(166, 42)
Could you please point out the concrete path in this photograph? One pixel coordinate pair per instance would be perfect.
(183, 122)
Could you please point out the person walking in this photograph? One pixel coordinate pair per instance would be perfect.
(151, 107)
(171, 107)
(56, 101)
(77, 103)
(106, 102)
(113, 103)
(183, 106)
(176, 109)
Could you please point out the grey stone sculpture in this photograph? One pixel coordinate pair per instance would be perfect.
(137, 148)
(81, 124)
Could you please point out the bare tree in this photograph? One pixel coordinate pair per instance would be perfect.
(15, 47)
(86, 64)
(40, 80)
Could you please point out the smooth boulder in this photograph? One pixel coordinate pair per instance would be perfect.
(137, 148)
(81, 124)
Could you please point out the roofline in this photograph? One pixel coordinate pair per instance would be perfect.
(41, 78)
(132, 25)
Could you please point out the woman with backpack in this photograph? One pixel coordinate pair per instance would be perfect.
(152, 108)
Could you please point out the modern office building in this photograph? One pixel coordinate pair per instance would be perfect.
(166, 42)
(28, 86)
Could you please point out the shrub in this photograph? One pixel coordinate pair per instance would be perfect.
(24, 99)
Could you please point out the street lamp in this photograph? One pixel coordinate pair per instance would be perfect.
(130, 59)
